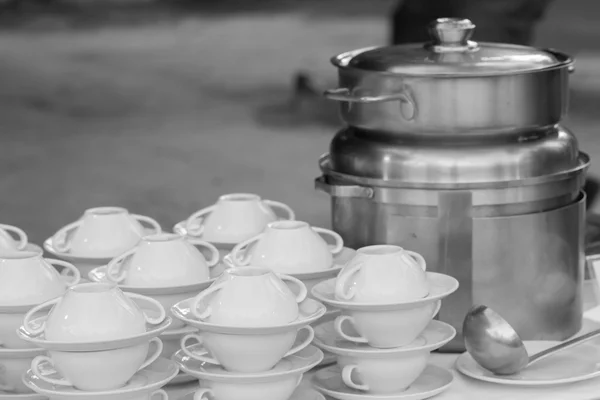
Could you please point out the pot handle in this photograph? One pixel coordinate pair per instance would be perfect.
(322, 185)
(408, 110)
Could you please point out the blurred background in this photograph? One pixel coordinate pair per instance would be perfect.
(161, 106)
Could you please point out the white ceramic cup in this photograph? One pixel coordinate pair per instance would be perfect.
(383, 274)
(163, 260)
(232, 390)
(235, 217)
(93, 312)
(382, 375)
(12, 238)
(97, 370)
(102, 232)
(26, 278)
(289, 247)
(246, 353)
(156, 395)
(387, 329)
(249, 297)
(12, 369)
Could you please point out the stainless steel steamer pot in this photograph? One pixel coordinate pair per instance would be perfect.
(453, 149)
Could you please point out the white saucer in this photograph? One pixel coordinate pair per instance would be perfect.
(20, 353)
(573, 365)
(181, 378)
(339, 260)
(40, 340)
(309, 311)
(172, 334)
(301, 393)
(435, 335)
(75, 259)
(144, 382)
(295, 364)
(99, 275)
(432, 381)
(21, 396)
(440, 286)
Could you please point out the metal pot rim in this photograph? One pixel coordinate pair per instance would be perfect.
(583, 165)
(342, 60)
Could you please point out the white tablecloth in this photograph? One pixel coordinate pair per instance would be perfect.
(464, 388)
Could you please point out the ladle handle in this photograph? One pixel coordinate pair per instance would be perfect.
(563, 346)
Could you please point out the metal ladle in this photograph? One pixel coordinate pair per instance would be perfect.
(495, 345)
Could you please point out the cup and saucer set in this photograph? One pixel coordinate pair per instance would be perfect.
(104, 342)
(385, 334)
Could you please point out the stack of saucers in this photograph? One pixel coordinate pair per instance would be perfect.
(100, 344)
(232, 219)
(26, 280)
(255, 335)
(101, 234)
(168, 268)
(386, 332)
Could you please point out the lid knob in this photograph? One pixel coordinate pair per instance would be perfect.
(452, 35)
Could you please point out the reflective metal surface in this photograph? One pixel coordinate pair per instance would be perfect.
(495, 345)
(497, 259)
(414, 159)
(492, 342)
(452, 86)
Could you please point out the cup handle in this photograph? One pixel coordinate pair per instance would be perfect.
(347, 378)
(436, 310)
(155, 354)
(287, 209)
(302, 292)
(198, 229)
(35, 368)
(306, 342)
(215, 256)
(68, 267)
(338, 326)
(204, 394)
(239, 259)
(201, 296)
(153, 304)
(18, 233)
(114, 270)
(416, 257)
(339, 242)
(60, 240)
(151, 222)
(159, 395)
(198, 338)
(28, 317)
(342, 281)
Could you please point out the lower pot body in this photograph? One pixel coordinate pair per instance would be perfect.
(528, 267)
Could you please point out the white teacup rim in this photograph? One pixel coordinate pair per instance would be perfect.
(239, 197)
(106, 210)
(147, 380)
(40, 340)
(435, 335)
(440, 286)
(300, 362)
(98, 274)
(309, 310)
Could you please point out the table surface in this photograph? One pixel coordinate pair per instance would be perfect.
(464, 388)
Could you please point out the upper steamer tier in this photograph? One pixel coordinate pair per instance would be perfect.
(452, 85)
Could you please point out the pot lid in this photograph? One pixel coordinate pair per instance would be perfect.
(452, 53)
